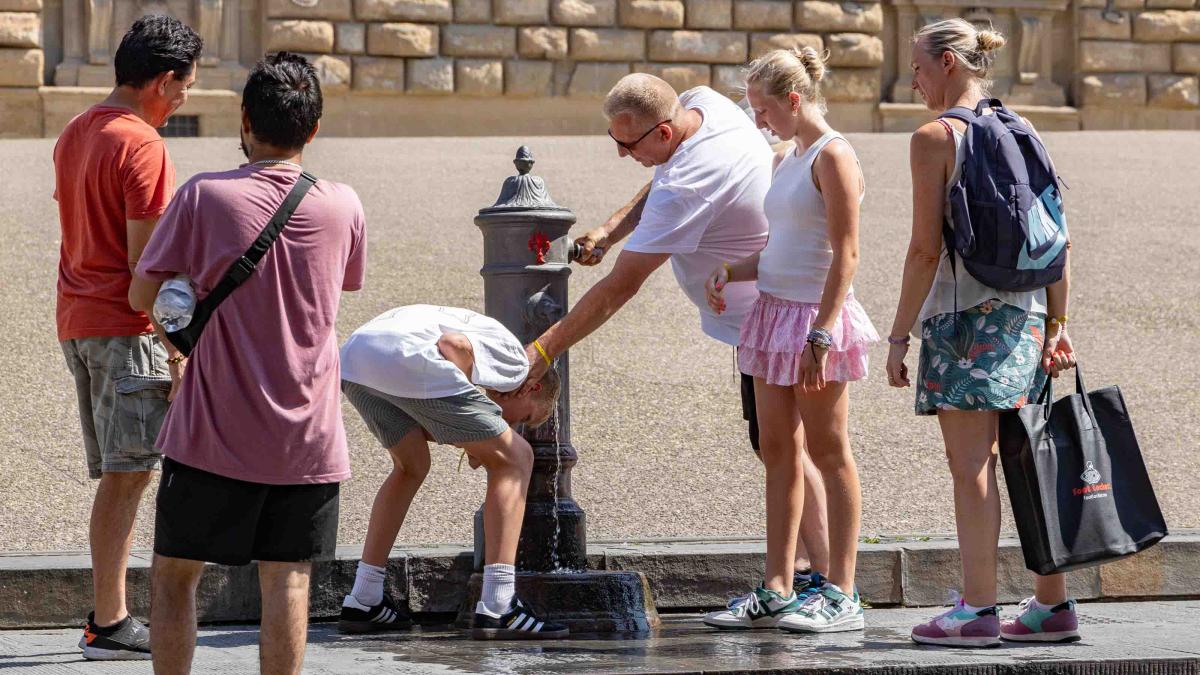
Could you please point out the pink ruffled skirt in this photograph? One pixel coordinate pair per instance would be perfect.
(776, 332)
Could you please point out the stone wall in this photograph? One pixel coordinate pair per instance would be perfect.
(22, 63)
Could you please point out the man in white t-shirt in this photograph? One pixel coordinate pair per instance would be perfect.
(703, 208)
(414, 374)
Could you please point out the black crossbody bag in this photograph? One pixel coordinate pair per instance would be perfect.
(185, 339)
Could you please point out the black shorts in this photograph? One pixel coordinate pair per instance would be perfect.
(203, 516)
(749, 412)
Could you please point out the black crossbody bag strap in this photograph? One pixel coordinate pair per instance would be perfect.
(243, 267)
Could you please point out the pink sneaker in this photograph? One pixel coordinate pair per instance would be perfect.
(1037, 623)
(960, 627)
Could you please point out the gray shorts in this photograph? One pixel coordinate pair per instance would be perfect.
(122, 384)
(452, 420)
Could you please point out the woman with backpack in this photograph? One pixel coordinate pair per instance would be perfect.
(804, 341)
(983, 350)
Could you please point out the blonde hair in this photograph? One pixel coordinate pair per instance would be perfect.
(546, 398)
(644, 96)
(972, 48)
(783, 71)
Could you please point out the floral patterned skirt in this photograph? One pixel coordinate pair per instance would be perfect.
(987, 357)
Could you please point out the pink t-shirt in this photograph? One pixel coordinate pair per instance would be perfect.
(260, 399)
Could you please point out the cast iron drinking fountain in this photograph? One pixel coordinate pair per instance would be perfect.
(526, 252)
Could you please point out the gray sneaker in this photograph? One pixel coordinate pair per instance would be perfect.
(127, 640)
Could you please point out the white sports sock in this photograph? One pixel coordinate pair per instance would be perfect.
(973, 609)
(499, 587)
(1038, 605)
(368, 584)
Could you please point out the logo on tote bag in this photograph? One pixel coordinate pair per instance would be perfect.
(1093, 488)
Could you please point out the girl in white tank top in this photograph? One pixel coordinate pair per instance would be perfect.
(803, 342)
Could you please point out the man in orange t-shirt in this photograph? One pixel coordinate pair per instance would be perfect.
(113, 179)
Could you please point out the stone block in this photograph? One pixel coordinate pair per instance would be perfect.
(854, 50)
(819, 15)
(331, 10)
(1170, 4)
(607, 44)
(681, 76)
(698, 46)
(594, 80)
(710, 14)
(1167, 26)
(1118, 5)
(22, 67)
(429, 76)
(1123, 57)
(762, 15)
(378, 75)
(1169, 569)
(520, 12)
(528, 78)
(434, 11)
(761, 43)
(479, 41)
(1113, 90)
(20, 5)
(20, 29)
(334, 72)
(729, 81)
(694, 579)
(601, 13)
(1173, 91)
(295, 35)
(20, 116)
(472, 11)
(1093, 25)
(350, 38)
(651, 13)
(542, 42)
(476, 77)
(930, 568)
(1186, 58)
(402, 39)
(438, 582)
(852, 84)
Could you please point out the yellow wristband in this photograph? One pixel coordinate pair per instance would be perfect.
(728, 272)
(1061, 320)
(538, 346)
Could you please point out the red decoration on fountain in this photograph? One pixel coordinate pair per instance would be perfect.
(540, 245)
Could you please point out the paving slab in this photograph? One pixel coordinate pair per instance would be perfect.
(1127, 638)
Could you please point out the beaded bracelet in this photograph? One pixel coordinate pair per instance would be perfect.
(176, 360)
(819, 337)
(899, 340)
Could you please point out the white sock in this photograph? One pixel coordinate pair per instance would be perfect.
(499, 587)
(1038, 605)
(973, 609)
(368, 584)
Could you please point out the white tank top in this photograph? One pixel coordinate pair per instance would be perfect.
(941, 298)
(796, 260)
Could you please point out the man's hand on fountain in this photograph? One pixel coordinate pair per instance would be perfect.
(592, 245)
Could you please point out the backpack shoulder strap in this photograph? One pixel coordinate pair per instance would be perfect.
(959, 113)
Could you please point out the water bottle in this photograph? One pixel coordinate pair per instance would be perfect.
(175, 304)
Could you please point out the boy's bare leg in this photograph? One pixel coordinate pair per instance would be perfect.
(812, 551)
(284, 631)
(509, 461)
(410, 465)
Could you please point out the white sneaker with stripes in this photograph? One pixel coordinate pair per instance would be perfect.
(518, 623)
(386, 616)
(829, 611)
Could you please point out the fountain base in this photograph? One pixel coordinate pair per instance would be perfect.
(587, 602)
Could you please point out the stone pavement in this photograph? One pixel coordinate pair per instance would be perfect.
(1125, 638)
(655, 403)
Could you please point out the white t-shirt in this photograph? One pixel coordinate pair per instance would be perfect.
(397, 353)
(705, 207)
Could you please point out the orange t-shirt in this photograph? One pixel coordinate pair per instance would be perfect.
(109, 167)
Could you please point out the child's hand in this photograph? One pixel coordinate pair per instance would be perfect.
(714, 289)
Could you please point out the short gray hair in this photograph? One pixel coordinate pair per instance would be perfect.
(644, 97)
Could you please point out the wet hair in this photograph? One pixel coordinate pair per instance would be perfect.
(546, 398)
(974, 49)
(282, 99)
(154, 45)
(783, 71)
(644, 96)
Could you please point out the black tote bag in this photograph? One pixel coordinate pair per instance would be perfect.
(1080, 492)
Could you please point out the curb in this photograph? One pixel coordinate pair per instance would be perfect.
(54, 589)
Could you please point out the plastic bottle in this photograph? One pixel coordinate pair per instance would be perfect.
(175, 304)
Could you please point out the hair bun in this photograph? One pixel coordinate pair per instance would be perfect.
(990, 41)
(812, 61)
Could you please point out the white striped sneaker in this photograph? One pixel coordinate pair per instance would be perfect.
(386, 616)
(518, 623)
(830, 611)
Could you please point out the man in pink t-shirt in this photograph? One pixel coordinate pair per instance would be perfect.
(253, 445)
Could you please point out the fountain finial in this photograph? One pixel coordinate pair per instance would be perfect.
(524, 190)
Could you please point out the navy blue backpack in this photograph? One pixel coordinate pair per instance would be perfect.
(1009, 229)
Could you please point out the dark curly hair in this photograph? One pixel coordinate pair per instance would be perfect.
(156, 44)
(282, 99)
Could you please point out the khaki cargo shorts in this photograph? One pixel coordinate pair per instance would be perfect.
(122, 384)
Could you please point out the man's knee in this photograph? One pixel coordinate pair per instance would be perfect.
(506, 452)
(175, 575)
(127, 481)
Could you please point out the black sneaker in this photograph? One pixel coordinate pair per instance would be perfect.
(386, 616)
(126, 640)
(518, 623)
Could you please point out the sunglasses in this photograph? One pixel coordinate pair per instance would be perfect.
(629, 146)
